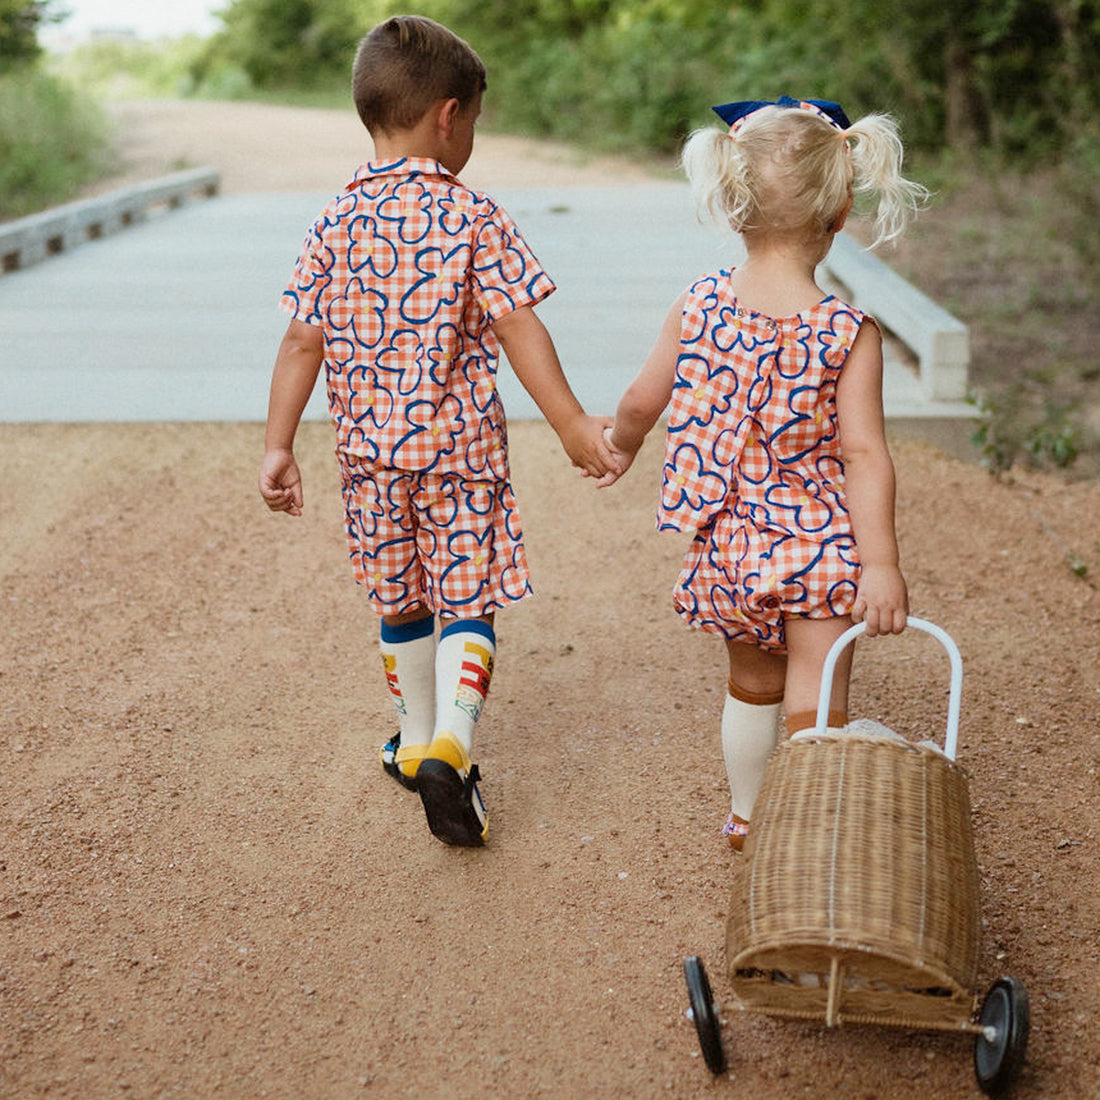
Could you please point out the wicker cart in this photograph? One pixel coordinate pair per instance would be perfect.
(857, 899)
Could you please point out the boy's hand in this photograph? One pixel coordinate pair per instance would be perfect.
(281, 482)
(882, 601)
(583, 440)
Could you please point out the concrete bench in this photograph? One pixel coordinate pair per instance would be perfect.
(940, 342)
(30, 240)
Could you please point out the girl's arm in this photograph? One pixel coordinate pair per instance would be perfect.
(881, 599)
(649, 394)
(296, 367)
(535, 363)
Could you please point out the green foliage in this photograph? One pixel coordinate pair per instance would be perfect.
(1019, 75)
(51, 141)
(19, 22)
(1010, 427)
(113, 68)
(284, 42)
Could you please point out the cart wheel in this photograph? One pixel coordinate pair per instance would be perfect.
(1000, 1049)
(705, 1014)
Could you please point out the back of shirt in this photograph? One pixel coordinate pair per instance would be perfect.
(406, 272)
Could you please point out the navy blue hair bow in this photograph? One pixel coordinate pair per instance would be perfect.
(730, 113)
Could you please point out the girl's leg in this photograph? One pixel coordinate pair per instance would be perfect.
(750, 723)
(407, 642)
(808, 643)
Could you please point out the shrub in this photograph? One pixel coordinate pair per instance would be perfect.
(51, 141)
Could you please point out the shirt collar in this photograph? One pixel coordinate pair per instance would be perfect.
(405, 167)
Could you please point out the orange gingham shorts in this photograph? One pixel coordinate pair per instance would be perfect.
(441, 541)
(741, 582)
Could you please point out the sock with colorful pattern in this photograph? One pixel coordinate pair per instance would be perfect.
(408, 656)
(463, 669)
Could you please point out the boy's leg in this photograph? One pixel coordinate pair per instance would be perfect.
(447, 778)
(407, 643)
(473, 556)
(808, 644)
(750, 727)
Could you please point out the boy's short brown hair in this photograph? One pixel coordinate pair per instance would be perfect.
(405, 65)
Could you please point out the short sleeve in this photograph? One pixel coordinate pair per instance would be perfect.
(505, 272)
(304, 295)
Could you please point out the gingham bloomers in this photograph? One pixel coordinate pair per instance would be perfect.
(406, 271)
(753, 463)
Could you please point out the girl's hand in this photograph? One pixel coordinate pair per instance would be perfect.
(622, 460)
(882, 600)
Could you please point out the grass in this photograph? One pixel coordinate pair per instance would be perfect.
(51, 141)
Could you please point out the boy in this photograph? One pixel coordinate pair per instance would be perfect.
(407, 287)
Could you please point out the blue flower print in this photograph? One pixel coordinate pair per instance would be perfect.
(837, 339)
(423, 300)
(358, 441)
(366, 399)
(399, 581)
(480, 450)
(687, 481)
(794, 358)
(369, 250)
(361, 519)
(797, 504)
(495, 261)
(457, 210)
(695, 322)
(808, 429)
(433, 431)
(463, 547)
(440, 502)
(480, 497)
(755, 462)
(409, 209)
(441, 353)
(707, 392)
(361, 310)
(759, 393)
(729, 333)
(513, 577)
(401, 360)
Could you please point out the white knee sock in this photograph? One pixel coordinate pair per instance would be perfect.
(463, 668)
(749, 734)
(408, 656)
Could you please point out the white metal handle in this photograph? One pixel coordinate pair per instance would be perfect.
(954, 703)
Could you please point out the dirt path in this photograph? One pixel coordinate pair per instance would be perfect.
(208, 888)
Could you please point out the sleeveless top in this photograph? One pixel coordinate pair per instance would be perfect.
(752, 421)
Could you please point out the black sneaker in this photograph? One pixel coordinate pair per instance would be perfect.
(388, 755)
(452, 801)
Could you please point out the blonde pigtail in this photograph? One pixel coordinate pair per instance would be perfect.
(877, 161)
(719, 179)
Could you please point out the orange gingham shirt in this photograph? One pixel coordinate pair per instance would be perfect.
(406, 271)
(752, 423)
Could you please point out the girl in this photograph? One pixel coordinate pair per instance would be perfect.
(776, 452)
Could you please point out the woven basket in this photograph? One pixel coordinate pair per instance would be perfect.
(858, 899)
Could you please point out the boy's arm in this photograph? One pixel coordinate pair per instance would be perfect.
(532, 355)
(296, 367)
(649, 394)
(881, 599)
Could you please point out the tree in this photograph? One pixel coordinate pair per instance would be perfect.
(19, 22)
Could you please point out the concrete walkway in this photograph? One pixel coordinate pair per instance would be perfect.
(177, 319)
